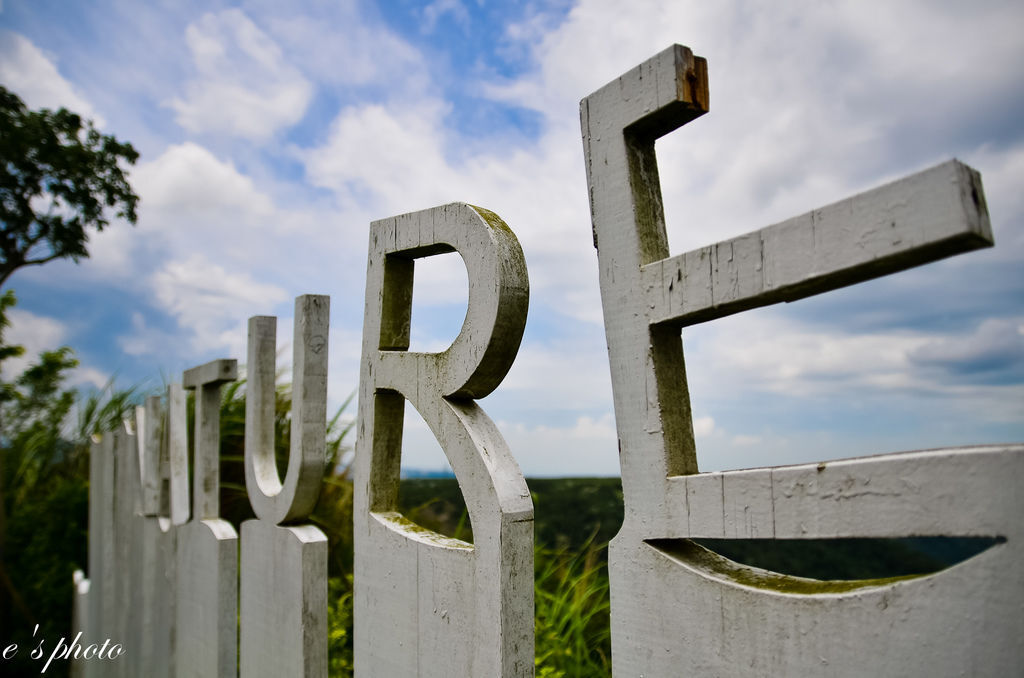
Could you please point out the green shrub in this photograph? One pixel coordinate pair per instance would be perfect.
(572, 621)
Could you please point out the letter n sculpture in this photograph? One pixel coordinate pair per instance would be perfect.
(681, 609)
(425, 604)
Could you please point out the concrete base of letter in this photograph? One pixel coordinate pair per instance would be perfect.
(207, 605)
(283, 601)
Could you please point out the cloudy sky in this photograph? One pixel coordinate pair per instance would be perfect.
(272, 133)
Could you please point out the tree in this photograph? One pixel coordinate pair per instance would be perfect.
(44, 493)
(59, 178)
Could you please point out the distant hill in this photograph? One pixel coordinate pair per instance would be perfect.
(427, 473)
(569, 513)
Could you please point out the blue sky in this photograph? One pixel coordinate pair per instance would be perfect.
(272, 133)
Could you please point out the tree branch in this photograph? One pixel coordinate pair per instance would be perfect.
(36, 262)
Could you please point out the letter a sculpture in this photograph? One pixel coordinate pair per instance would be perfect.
(679, 609)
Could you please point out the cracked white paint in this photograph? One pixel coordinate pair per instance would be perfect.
(425, 604)
(283, 565)
(206, 625)
(664, 592)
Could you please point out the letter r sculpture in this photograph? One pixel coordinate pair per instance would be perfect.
(425, 604)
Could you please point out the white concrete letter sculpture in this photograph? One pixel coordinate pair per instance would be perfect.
(153, 548)
(131, 594)
(207, 553)
(284, 567)
(425, 604)
(678, 609)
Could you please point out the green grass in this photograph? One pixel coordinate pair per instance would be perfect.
(572, 619)
(571, 622)
(574, 520)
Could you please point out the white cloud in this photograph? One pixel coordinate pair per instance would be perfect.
(742, 167)
(796, 120)
(111, 250)
(772, 147)
(403, 151)
(337, 44)
(438, 8)
(563, 376)
(703, 426)
(245, 86)
(769, 352)
(188, 180)
(420, 449)
(774, 354)
(440, 279)
(84, 376)
(586, 447)
(995, 346)
(809, 104)
(143, 339)
(211, 303)
(414, 167)
(213, 248)
(189, 200)
(31, 74)
(772, 448)
(36, 334)
(972, 376)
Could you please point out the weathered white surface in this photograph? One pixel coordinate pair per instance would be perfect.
(86, 603)
(100, 610)
(929, 215)
(652, 407)
(131, 561)
(153, 556)
(283, 601)
(149, 431)
(79, 616)
(292, 500)
(206, 641)
(721, 619)
(124, 627)
(678, 610)
(154, 606)
(103, 601)
(283, 594)
(206, 380)
(427, 605)
(176, 450)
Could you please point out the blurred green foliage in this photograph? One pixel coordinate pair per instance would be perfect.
(574, 520)
(59, 179)
(44, 492)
